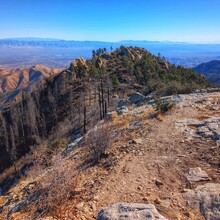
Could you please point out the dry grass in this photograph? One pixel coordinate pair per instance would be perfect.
(58, 181)
(160, 117)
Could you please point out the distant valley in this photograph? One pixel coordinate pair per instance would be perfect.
(59, 53)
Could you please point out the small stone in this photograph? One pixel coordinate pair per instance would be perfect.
(158, 183)
(185, 190)
(94, 207)
(189, 215)
(145, 199)
(157, 200)
(80, 206)
(140, 188)
(137, 141)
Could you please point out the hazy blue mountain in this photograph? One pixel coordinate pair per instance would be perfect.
(59, 53)
(211, 70)
(30, 39)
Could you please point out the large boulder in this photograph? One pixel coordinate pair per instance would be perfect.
(123, 102)
(136, 98)
(126, 211)
(72, 146)
(197, 174)
(206, 199)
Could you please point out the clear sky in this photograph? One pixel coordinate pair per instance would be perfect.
(112, 20)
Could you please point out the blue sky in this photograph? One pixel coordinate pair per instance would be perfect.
(112, 20)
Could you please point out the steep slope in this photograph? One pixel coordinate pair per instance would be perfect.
(78, 97)
(211, 70)
(17, 81)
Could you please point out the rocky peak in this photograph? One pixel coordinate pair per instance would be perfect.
(75, 63)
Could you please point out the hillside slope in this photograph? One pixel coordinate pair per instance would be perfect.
(211, 70)
(76, 98)
(14, 82)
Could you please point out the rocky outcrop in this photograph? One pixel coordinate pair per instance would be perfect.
(130, 212)
(206, 199)
(99, 63)
(75, 63)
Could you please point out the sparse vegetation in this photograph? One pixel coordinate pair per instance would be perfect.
(97, 141)
(162, 105)
(58, 179)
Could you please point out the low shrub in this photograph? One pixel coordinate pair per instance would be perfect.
(97, 141)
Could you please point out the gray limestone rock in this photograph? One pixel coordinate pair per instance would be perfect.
(206, 199)
(126, 211)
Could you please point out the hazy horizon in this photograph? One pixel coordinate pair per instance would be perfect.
(122, 40)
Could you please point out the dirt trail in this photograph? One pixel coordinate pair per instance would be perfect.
(155, 169)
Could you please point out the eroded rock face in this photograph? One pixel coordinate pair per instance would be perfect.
(206, 199)
(128, 211)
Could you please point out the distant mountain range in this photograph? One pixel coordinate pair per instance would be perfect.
(53, 42)
(211, 70)
(59, 53)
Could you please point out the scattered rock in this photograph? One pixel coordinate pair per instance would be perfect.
(130, 212)
(196, 175)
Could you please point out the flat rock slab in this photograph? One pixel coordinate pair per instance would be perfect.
(197, 174)
(206, 199)
(209, 128)
(126, 211)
